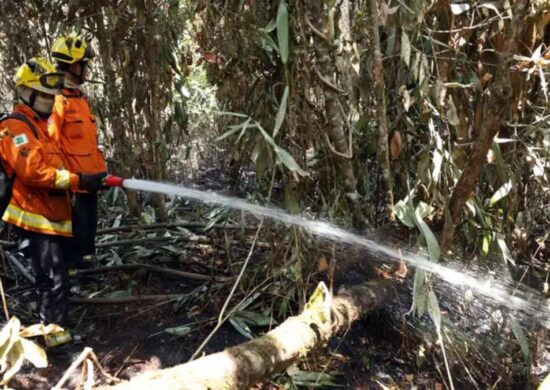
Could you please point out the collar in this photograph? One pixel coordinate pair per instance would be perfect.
(72, 92)
(28, 112)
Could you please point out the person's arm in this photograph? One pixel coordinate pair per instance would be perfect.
(24, 154)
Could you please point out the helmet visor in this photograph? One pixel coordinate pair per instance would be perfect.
(52, 80)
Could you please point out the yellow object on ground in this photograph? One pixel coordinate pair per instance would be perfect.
(58, 338)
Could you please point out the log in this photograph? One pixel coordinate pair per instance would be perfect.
(244, 365)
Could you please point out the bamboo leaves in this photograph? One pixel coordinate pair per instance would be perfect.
(282, 31)
(283, 157)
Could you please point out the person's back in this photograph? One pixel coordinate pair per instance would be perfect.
(73, 126)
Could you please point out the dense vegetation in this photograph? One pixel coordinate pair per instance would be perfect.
(372, 114)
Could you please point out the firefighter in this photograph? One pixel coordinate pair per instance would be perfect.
(73, 126)
(40, 207)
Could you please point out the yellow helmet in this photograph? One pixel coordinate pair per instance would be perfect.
(39, 74)
(70, 49)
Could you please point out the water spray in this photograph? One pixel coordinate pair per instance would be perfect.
(528, 304)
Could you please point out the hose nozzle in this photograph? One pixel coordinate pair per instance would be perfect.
(114, 181)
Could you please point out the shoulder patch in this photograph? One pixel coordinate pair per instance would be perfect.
(20, 140)
(4, 133)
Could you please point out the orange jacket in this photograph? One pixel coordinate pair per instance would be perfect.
(40, 201)
(73, 127)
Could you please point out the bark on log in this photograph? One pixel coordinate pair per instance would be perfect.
(244, 365)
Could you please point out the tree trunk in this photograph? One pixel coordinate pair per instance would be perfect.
(244, 365)
(326, 73)
(380, 92)
(495, 106)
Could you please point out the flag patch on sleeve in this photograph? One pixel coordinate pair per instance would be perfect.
(20, 140)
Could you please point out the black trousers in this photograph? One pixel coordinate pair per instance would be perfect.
(46, 255)
(84, 227)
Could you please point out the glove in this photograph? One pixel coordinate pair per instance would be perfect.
(92, 183)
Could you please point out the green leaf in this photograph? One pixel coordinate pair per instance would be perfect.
(522, 340)
(420, 292)
(423, 209)
(292, 203)
(248, 301)
(254, 318)
(433, 310)
(228, 113)
(289, 161)
(313, 379)
(486, 244)
(282, 30)
(117, 294)
(405, 48)
(179, 331)
(502, 192)
(431, 241)
(270, 26)
(241, 326)
(404, 213)
(281, 113)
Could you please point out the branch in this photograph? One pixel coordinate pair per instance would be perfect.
(327, 82)
(123, 300)
(168, 225)
(154, 268)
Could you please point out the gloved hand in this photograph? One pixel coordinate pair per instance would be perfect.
(93, 182)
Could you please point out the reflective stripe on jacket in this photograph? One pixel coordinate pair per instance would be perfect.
(40, 201)
(73, 126)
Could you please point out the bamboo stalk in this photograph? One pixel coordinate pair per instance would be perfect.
(154, 268)
(124, 300)
(168, 225)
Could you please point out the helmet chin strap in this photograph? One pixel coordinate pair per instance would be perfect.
(33, 105)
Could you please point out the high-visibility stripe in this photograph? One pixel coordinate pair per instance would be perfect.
(62, 177)
(36, 222)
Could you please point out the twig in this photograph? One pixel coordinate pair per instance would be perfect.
(148, 239)
(4, 302)
(315, 31)
(155, 268)
(77, 362)
(171, 225)
(89, 384)
(327, 82)
(221, 319)
(7, 244)
(20, 267)
(126, 360)
(123, 300)
(348, 155)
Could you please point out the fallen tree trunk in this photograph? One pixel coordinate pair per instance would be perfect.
(244, 365)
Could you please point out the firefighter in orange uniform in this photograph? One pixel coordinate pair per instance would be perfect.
(40, 207)
(73, 126)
